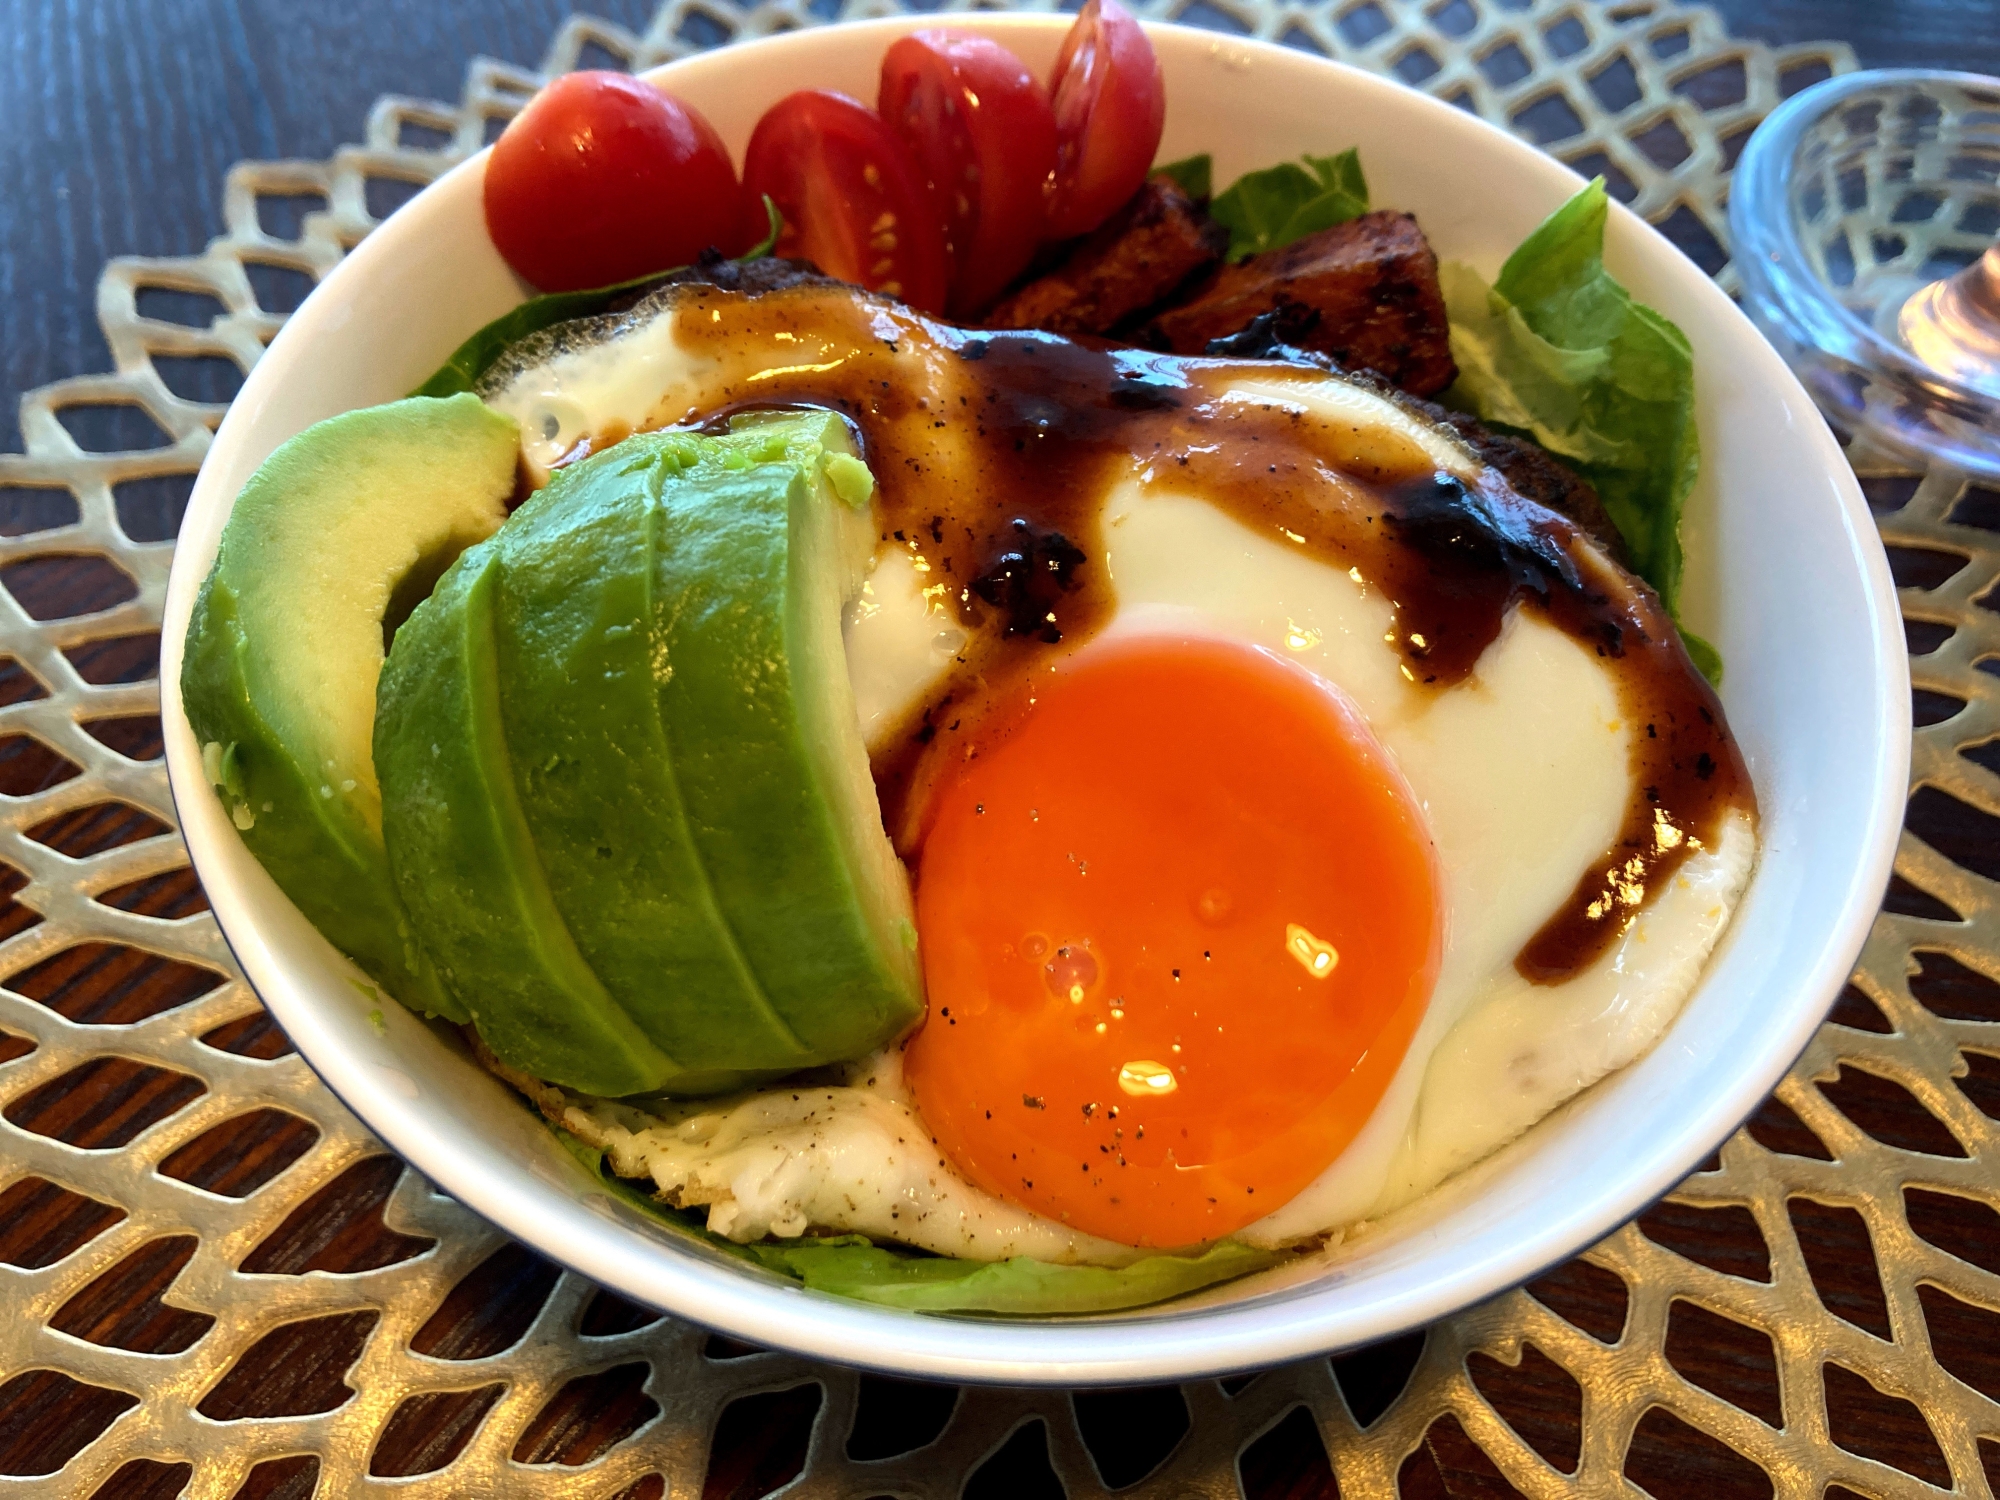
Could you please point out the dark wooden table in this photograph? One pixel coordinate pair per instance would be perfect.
(118, 119)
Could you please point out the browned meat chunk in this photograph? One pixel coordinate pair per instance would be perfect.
(1365, 293)
(1137, 259)
(1537, 476)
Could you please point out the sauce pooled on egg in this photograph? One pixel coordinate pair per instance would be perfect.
(992, 453)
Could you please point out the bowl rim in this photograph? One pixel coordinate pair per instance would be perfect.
(1164, 1343)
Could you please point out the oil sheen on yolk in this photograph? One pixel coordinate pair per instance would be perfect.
(1180, 919)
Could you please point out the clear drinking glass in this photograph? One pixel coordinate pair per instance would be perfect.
(1865, 212)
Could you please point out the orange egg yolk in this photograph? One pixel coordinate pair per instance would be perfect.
(1179, 918)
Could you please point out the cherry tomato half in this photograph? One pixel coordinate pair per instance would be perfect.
(604, 178)
(855, 204)
(1110, 103)
(983, 135)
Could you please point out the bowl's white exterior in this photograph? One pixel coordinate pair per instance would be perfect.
(1786, 576)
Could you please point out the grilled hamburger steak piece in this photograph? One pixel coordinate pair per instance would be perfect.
(1364, 293)
(1535, 475)
(1140, 257)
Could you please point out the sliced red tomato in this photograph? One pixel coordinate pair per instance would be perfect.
(1110, 103)
(604, 178)
(983, 135)
(854, 202)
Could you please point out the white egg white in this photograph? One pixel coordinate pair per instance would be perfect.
(1522, 771)
(851, 1156)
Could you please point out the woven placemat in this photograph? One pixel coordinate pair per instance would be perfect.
(1571, 1387)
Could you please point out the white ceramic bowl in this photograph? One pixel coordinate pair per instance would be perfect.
(1785, 575)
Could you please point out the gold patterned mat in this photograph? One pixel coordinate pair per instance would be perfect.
(1739, 1331)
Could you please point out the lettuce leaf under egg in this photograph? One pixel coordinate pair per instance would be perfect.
(937, 1283)
(476, 355)
(1556, 350)
(852, 1265)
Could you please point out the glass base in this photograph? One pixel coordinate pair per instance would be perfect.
(1954, 325)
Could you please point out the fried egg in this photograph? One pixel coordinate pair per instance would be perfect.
(1273, 862)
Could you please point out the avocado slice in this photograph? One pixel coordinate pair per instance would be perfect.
(578, 640)
(689, 785)
(457, 822)
(339, 525)
(767, 740)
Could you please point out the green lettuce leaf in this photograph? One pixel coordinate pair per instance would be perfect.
(1268, 209)
(1195, 174)
(476, 355)
(936, 1283)
(1558, 351)
(851, 1265)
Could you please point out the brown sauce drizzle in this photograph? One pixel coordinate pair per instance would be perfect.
(992, 453)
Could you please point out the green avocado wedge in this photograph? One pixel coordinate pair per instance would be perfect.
(339, 526)
(663, 826)
(459, 822)
(581, 648)
(763, 723)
